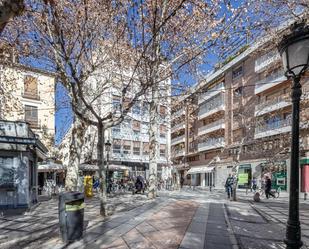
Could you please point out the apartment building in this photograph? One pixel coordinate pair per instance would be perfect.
(27, 129)
(30, 97)
(240, 118)
(129, 153)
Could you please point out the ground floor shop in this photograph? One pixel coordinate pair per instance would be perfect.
(247, 173)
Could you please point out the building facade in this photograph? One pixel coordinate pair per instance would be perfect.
(239, 120)
(129, 152)
(28, 95)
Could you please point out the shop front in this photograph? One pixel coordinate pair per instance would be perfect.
(304, 163)
(202, 176)
(244, 176)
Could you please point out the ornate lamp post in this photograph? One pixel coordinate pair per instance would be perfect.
(108, 148)
(294, 50)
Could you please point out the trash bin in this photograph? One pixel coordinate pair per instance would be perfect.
(71, 215)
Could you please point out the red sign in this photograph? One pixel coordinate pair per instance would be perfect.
(305, 178)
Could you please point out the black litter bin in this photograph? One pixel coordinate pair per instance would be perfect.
(71, 215)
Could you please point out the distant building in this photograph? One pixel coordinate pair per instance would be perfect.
(129, 140)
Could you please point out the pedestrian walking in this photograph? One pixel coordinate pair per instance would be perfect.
(229, 185)
(254, 184)
(268, 188)
(182, 180)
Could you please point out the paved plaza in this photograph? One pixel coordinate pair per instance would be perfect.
(187, 219)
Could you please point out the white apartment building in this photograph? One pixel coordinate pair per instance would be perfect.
(129, 140)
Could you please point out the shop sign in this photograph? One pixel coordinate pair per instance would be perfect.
(243, 178)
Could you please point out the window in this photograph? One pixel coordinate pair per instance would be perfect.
(116, 104)
(145, 148)
(31, 87)
(31, 115)
(162, 150)
(145, 108)
(116, 129)
(162, 131)
(238, 91)
(237, 72)
(136, 108)
(136, 125)
(116, 148)
(126, 147)
(193, 158)
(136, 148)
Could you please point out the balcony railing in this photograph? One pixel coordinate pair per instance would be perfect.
(178, 140)
(273, 104)
(266, 60)
(219, 124)
(273, 128)
(271, 80)
(178, 153)
(31, 95)
(178, 113)
(179, 126)
(210, 108)
(211, 92)
(211, 143)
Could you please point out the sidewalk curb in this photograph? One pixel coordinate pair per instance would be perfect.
(230, 229)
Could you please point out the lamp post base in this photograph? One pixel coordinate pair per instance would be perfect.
(292, 244)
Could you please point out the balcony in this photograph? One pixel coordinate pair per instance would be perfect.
(265, 60)
(211, 108)
(217, 125)
(272, 105)
(178, 113)
(211, 143)
(270, 81)
(211, 92)
(178, 140)
(178, 153)
(273, 128)
(31, 95)
(178, 127)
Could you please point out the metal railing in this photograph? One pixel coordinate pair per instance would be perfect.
(212, 142)
(211, 105)
(178, 139)
(211, 125)
(211, 92)
(266, 60)
(277, 124)
(274, 101)
(178, 126)
(276, 77)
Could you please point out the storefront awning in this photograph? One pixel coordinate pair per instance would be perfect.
(50, 167)
(197, 170)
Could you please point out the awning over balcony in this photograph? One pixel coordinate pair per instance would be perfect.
(197, 170)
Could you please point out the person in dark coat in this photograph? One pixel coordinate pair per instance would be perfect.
(139, 185)
(268, 188)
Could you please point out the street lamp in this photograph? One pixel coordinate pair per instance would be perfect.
(107, 148)
(294, 50)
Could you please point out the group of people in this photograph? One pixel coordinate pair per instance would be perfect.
(266, 185)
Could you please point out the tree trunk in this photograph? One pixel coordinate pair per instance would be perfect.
(77, 141)
(153, 144)
(235, 185)
(102, 170)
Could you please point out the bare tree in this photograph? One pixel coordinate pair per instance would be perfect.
(8, 10)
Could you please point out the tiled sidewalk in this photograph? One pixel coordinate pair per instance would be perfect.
(161, 227)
